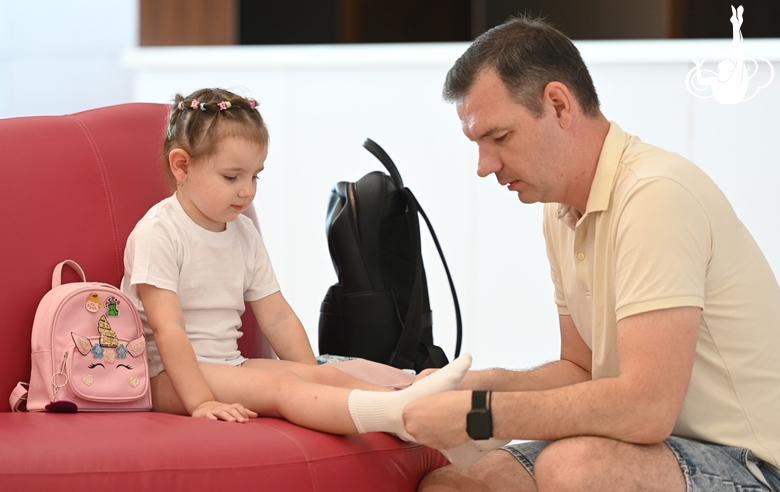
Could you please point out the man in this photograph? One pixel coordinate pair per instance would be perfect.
(669, 313)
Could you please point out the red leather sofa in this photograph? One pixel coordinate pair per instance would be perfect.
(73, 187)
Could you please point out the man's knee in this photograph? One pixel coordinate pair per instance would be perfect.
(568, 463)
(497, 471)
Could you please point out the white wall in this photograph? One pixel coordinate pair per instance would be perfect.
(61, 56)
(322, 102)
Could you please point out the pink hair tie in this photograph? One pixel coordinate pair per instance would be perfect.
(252, 104)
(194, 104)
(224, 105)
(181, 106)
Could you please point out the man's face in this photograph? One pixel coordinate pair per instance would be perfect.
(519, 149)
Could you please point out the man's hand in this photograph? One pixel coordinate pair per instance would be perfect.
(439, 420)
(216, 410)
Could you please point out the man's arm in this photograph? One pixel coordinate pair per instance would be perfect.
(573, 367)
(641, 405)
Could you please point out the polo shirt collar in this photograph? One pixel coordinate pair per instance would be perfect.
(606, 169)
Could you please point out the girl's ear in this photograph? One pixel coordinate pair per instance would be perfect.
(179, 161)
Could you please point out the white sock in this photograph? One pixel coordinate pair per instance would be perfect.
(469, 453)
(376, 411)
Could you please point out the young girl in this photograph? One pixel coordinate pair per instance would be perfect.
(192, 261)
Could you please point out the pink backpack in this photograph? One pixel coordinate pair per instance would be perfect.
(88, 351)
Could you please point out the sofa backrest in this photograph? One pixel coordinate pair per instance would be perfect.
(73, 187)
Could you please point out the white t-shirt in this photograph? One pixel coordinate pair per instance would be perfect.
(212, 273)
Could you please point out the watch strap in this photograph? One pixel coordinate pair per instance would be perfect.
(479, 400)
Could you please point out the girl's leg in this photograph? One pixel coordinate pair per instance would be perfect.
(286, 394)
(270, 393)
(326, 408)
(320, 374)
(282, 393)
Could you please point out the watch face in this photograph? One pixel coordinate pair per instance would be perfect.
(479, 424)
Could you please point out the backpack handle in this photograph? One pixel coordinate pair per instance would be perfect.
(56, 277)
(385, 159)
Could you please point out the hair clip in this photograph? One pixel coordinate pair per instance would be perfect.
(203, 107)
(181, 106)
(194, 104)
(170, 132)
(252, 104)
(224, 105)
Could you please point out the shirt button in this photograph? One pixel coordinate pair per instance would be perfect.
(580, 256)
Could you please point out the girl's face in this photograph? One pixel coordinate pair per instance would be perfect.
(217, 188)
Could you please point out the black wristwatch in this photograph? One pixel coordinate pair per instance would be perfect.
(479, 421)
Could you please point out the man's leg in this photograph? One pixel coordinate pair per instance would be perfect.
(497, 471)
(597, 464)
(581, 463)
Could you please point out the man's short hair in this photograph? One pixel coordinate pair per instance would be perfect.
(527, 54)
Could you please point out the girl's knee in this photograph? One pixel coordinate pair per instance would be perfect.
(277, 381)
(326, 374)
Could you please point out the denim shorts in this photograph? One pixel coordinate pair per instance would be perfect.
(707, 467)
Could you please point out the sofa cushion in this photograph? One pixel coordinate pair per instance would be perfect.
(153, 451)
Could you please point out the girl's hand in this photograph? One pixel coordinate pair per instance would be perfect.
(216, 410)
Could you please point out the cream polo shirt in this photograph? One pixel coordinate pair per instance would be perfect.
(658, 233)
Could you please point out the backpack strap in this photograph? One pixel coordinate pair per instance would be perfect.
(409, 341)
(18, 395)
(56, 277)
(419, 314)
(458, 319)
(405, 354)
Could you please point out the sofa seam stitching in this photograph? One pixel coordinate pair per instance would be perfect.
(106, 187)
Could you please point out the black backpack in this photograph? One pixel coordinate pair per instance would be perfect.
(379, 310)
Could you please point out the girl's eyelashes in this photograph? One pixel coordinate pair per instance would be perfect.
(233, 178)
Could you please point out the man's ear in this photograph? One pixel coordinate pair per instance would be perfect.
(179, 161)
(561, 100)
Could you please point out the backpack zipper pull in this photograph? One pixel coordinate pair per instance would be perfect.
(60, 373)
(62, 406)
